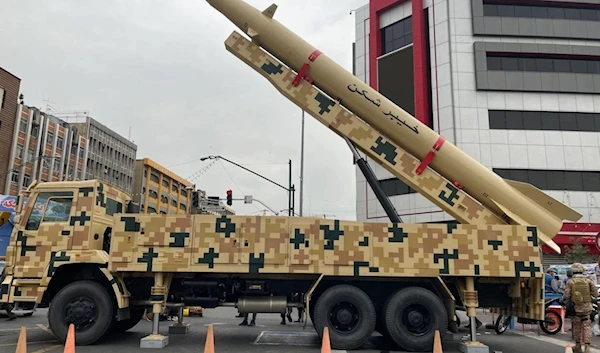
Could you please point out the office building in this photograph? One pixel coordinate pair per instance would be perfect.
(9, 92)
(159, 190)
(514, 86)
(44, 148)
(111, 157)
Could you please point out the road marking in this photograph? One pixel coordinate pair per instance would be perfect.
(45, 329)
(38, 342)
(51, 348)
(552, 340)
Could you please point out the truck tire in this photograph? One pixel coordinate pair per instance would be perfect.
(86, 304)
(412, 315)
(135, 315)
(349, 315)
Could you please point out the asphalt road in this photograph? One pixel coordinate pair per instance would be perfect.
(267, 337)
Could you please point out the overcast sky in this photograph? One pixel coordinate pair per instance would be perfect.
(161, 68)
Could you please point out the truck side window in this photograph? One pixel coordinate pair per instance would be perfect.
(51, 207)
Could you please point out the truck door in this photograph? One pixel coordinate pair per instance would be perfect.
(44, 228)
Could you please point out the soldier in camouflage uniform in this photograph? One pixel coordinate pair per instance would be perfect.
(580, 291)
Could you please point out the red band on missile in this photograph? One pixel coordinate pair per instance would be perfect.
(430, 156)
(304, 69)
(315, 54)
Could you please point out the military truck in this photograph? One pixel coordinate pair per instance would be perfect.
(77, 250)
(82, 250)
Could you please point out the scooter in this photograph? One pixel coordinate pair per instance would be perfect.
(551, 324)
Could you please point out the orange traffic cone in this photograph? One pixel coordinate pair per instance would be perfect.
(209, 346)
(437, 343)
(568, 348)
(70, 343)
(22, 342)
(326, 346)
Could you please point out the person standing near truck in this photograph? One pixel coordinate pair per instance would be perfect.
(580, 291)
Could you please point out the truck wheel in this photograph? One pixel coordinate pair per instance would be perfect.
(87, 305)
(135, 315)
(411, 317)
(349, 315)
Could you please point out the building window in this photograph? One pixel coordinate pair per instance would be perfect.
(151, 209)
(14, 178)
(26, 180)
(80, 152)
(554, 179)
(154, 177)
(559, 11)
(50, 138)
(542, 63)
(541, 120)
(153, 194)
(182, 207)
(173, 203)
(19, 152)
(59, 142)
(164, 199)
(397, 35)
(165, 183)
(394, 186)
(183, 193)
(175, 188)
(23, 125)
(79, 174)
(56, 166)
(30, 153)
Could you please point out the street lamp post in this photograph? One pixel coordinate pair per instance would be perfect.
(290, 189)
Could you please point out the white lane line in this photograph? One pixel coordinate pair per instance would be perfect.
(552, 340)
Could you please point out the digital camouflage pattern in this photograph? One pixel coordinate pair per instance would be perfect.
(582, 324)
(37, 251)
(255, 244)
(392, 157)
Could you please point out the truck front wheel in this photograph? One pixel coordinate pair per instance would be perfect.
(85, 304)
(412, 315)
(349, 315)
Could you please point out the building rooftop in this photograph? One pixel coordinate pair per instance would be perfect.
(165, 171)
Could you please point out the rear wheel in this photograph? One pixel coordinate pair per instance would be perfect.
(349, 315)
(552, 323)
(412, 315)
(85, 304)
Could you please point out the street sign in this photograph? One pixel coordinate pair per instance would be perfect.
(248, 199)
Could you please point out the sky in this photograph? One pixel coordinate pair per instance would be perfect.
(160, 69)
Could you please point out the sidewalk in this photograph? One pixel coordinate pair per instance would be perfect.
(489, 319)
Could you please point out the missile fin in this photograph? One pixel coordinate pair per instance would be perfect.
(549, 203)
(270, 11)
(252, 33)
(518, 220)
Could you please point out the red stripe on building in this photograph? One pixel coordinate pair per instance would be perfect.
(421, 84)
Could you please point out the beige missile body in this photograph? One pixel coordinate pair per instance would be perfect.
(521, 203)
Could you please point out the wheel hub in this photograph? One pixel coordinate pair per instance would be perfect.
(344, 316)
(80, 312)
(415, 318)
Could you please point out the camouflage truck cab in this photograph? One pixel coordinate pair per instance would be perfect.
(76, 249)
(61, 234)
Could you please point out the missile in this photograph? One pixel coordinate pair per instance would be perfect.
(516, 202)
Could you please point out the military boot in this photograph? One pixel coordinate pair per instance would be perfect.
(588, 348)
(577, 348)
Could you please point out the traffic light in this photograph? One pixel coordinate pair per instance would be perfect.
(195, 201)
(229, 198)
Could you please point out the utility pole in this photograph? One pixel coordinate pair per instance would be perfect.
(302, 165)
